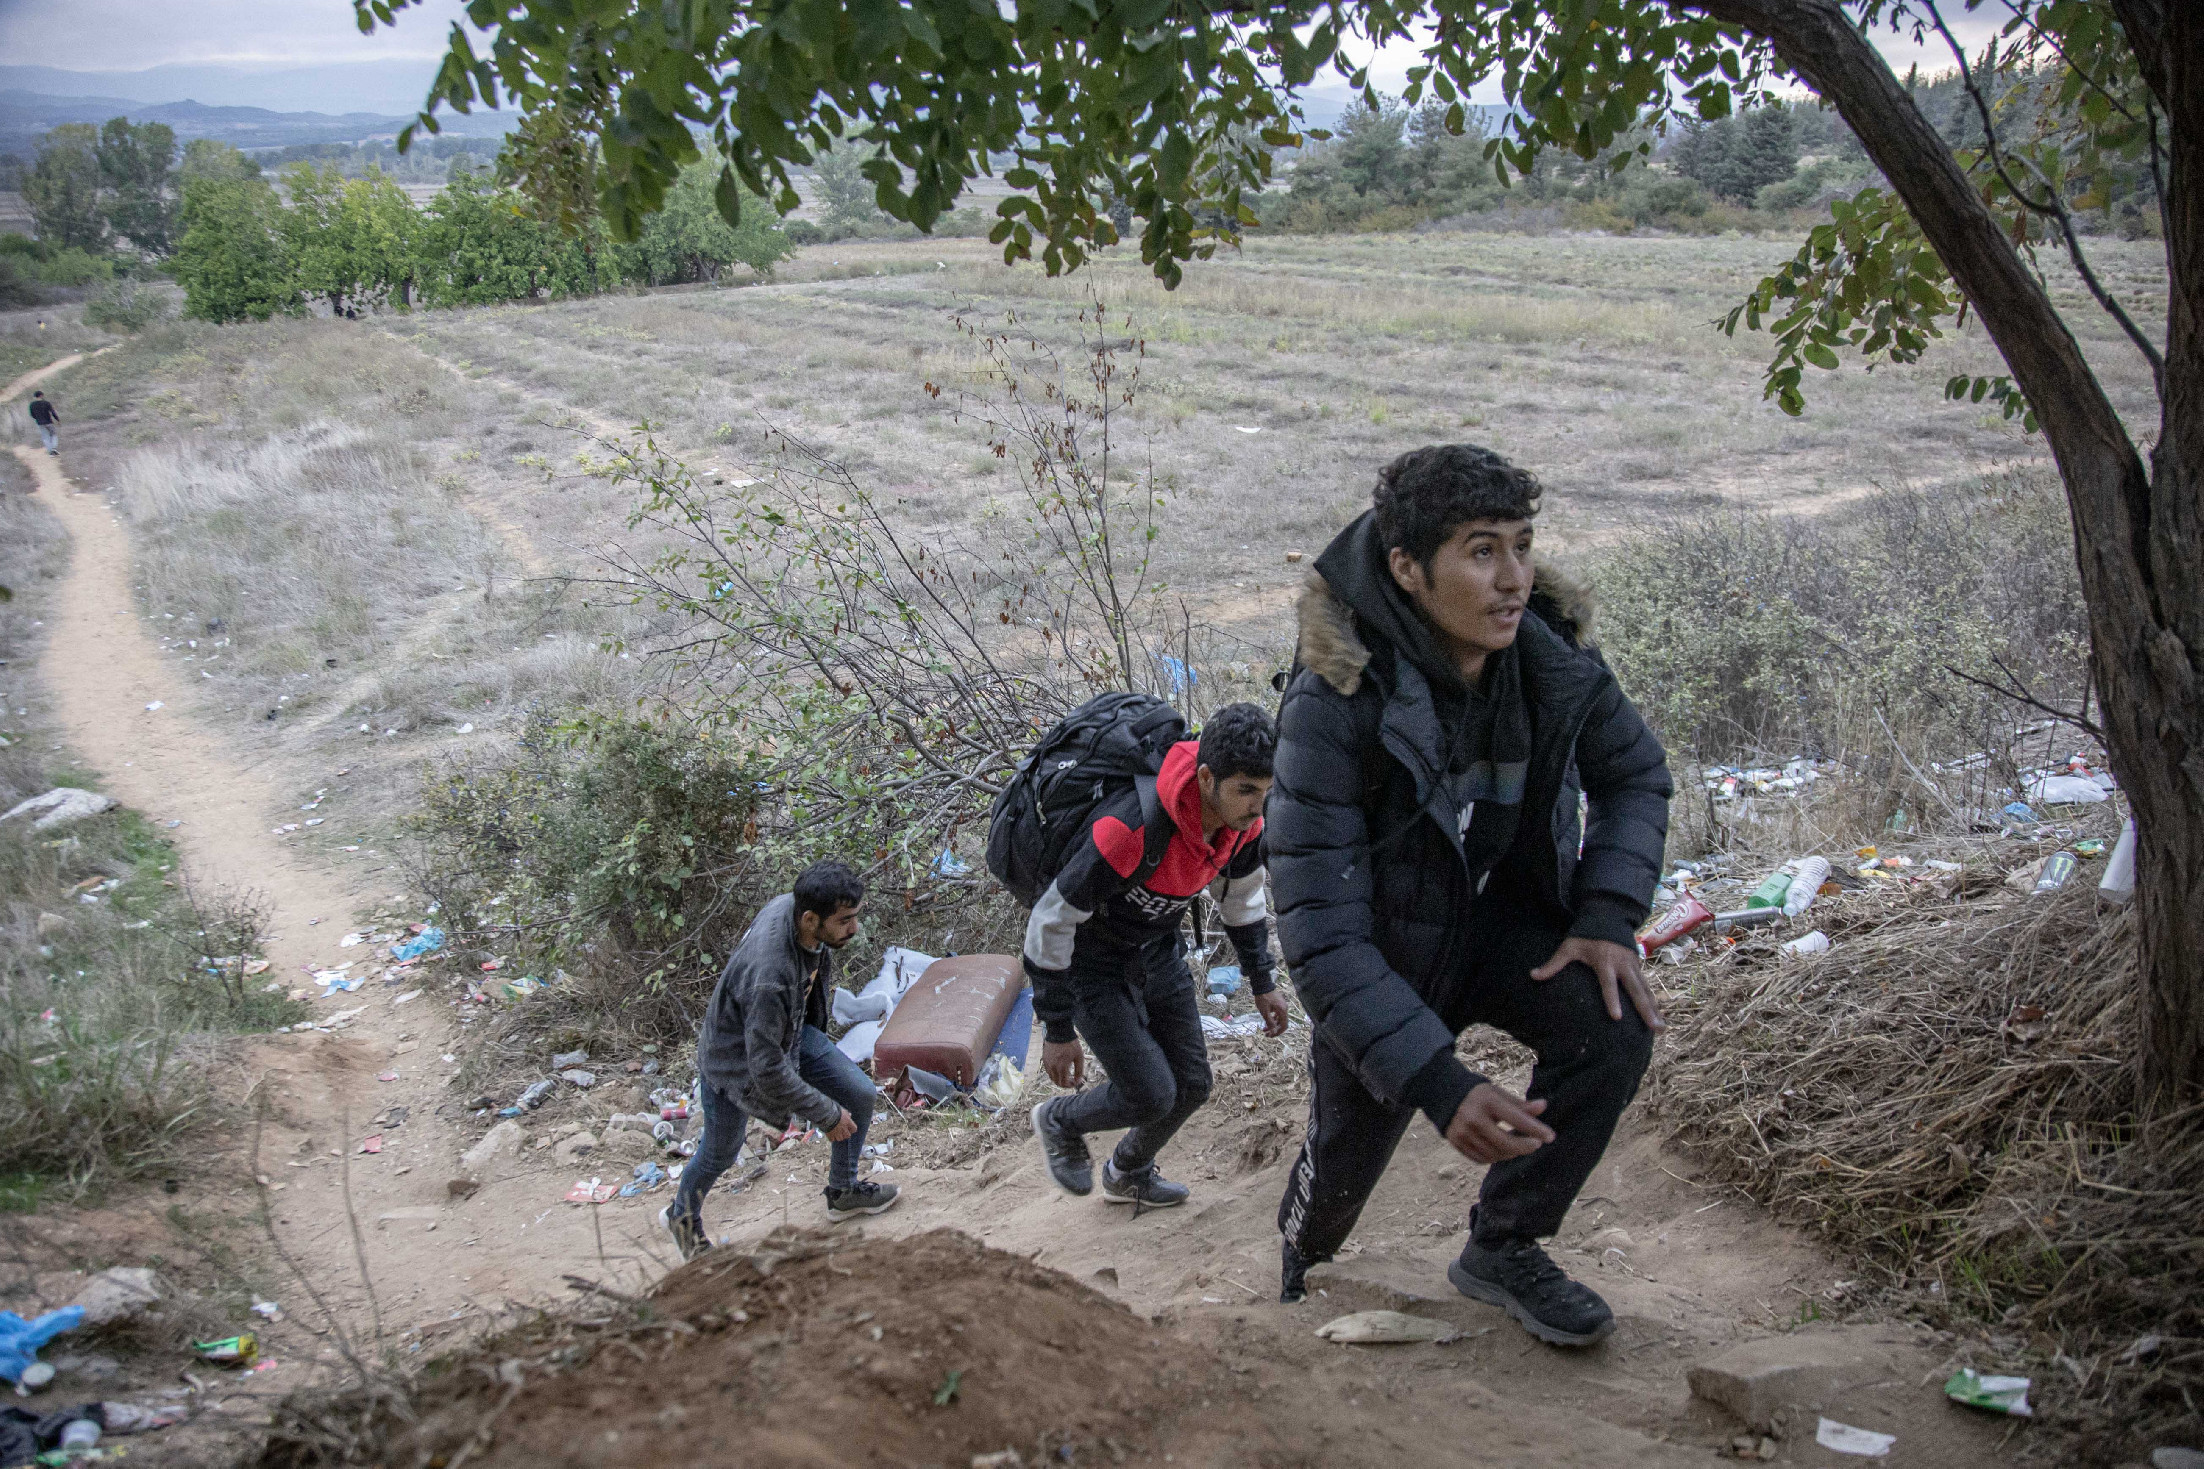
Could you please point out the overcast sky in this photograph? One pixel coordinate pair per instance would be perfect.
(262, 35)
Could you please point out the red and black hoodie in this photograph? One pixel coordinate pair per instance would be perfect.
(1100, 905)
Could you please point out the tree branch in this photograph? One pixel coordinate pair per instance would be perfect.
(2052, 207)
(2017, 690)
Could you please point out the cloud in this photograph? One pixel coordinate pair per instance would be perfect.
(128, 35)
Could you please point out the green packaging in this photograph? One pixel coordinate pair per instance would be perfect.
(1770, 892)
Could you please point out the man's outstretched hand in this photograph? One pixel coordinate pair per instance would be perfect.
(1493, 1123)
(1271, 1005)
(1618, 969)
(1065, 1062)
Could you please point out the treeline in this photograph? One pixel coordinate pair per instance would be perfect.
(1393, 167)
(250, 249)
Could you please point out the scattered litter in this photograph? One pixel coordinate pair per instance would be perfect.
(2007, 1395)
(386, 1076)
(153, 706)
(648, 1176)
(337, 979)
(397, 1000)
(21, 1339)
(427, 941)
(372, 1143)
(1241, 428)
(949, 864)
(351, 940)
(1810, 943)
(565, 1059)
(1224, 979)
(533, 1097)
(268, 1310)
(591, 1191)
(1225, 1028)
(2118, 884)
(467, 728)
(1374, 1328)
(521, 988)
(231, 1351)
(2066, 790)
(1001, 1083)
(1686, 914)
(579, 1078)
(1846, 1439)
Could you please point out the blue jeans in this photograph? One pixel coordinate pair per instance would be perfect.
(52, 439)
(818, 1062)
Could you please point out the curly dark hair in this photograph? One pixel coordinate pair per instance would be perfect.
(827, 887)
(1428, 494)
(1239, 739)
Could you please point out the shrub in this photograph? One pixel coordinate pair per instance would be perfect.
(126, 306)
(73, 267)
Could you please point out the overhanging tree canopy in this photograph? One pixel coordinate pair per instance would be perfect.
(1173, 106)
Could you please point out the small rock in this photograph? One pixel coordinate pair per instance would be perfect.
(117, 1294)
(462, 1188)
(1610, 1239)
(580, 1145)
(1293, 558)
(2176, 1458)
(1756, 1380)
(500, 1142)
(50, 924)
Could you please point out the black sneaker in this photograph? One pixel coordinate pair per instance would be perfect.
(1065, 1153)
(1143, 1188)
(1519, 1278)
(862, 1197)
(1292, 1272)
(688, 1234)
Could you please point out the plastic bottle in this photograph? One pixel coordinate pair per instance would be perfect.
(1771, 890)
(1816, 942)
(82, 1434)
(1805, 885)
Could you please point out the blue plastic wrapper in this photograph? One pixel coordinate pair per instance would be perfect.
(21, 1339)
(427, 941)
(1224, 979)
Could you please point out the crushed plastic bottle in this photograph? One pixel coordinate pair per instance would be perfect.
(1805, 885)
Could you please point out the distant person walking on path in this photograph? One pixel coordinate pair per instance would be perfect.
(1431, 870)
(42, 414)
(764, 1052)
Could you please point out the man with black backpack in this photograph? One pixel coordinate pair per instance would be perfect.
(1432, 870)
(1113, 826)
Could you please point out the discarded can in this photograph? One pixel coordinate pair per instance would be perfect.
(2057, 868)
(674, 1111)
(231, 1351)
(1805, 885)
(1771, 891)
(82, 1434)
(2090, 847)
(1746, 918)
(533, 1097)
(1687, 914)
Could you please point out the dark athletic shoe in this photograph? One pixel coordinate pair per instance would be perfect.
(1143, 1188)
(1065, 1153)
(1520, 1279)
(864, 1197)
(688, 1234)
(1292, 1286)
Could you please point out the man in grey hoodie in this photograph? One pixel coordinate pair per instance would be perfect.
(764, 1053)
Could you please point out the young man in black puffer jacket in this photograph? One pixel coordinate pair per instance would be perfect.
(1423, 840)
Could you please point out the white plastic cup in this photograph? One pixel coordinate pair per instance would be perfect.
(2118, 884)
(1808, 943)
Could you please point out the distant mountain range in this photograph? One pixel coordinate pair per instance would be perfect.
(27, 111)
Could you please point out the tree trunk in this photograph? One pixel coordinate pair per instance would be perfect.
(2139, 537)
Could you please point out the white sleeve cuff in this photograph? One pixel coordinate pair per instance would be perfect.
(1050, 930)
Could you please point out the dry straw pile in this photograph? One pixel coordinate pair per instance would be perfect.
(1949, 1090)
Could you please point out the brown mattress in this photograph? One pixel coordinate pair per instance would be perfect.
(949, 1019)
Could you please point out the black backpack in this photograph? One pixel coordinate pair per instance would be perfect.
(1107, 742)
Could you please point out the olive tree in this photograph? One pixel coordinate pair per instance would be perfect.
(1173, 108)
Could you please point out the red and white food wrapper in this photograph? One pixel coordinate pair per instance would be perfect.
(1684, 915)
(590, 1191)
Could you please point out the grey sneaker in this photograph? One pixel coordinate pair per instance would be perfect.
(862, 1197)
(1065, 1153)
(1518, 1277)
(688, 1234)
(1143, 1188)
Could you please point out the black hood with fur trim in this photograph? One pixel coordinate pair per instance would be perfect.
(1369, 884)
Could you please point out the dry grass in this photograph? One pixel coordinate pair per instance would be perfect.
(1949, 1090)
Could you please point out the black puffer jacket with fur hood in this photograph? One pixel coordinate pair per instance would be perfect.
(1369, 885)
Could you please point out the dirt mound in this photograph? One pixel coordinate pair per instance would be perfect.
(817, 1348)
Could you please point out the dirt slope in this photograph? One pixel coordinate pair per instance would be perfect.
(1693, 1271)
